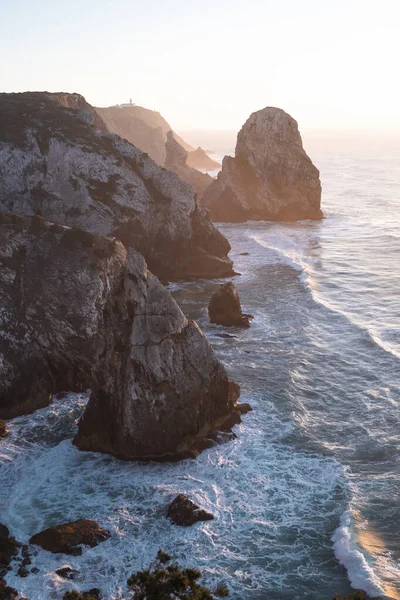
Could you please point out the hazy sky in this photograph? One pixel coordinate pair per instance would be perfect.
(210, 63)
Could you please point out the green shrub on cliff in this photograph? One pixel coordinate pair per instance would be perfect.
(164, 581)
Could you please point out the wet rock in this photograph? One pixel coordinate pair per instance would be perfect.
(23, 572)
(270, 178)
(244, 254)
(244, 408)
(182, 511)
(176, 161)
(225, 309)
(4, 532)
(35, 570)
(3, 434)
(61, 395)
(93, 594)
(55, 162)
(68, 538)
(67, 573)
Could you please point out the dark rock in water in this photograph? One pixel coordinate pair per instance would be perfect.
(176, 160)
(225, 335)
(182, 511)
(61, 395)
(4, 532)
(244, 254)
(65, 170)
(270, 178)
(35, 570)
(244, 408)
(225, 309)
(3, 434)
(67, 573)
(23, 571)
(68, 538)
(80, 311)
(9, 548)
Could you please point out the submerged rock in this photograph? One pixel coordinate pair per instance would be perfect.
(55, 162)
(68, 538)
(182, 511)
(67, 573)
(176, 160)
(270, 178)
(225, 309)
(80, 311)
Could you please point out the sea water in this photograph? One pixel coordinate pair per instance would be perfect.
(306, 498)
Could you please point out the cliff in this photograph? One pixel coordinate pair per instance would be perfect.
(55, 162)
(147, 129)
(176, 160)
(271, 177)
(79, 310)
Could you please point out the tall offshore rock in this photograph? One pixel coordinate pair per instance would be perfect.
(79, 310)
(58, 161)
(270, 177)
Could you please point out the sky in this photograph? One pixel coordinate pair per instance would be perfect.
(208, 64)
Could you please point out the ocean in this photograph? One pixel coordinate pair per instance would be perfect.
(306, 498)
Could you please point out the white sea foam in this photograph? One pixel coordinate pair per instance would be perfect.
(355, 560)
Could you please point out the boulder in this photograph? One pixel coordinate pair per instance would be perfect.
(270, 177)
(182, 511)
(3, 433)
(176, 160)
(225, 309)
(55, 162)
(68, 538)
(81, 311)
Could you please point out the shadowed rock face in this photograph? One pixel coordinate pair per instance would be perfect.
(225, 309)
(271, 177)
(55, 162)
(78, 310)
(184, 512)
(176, 160)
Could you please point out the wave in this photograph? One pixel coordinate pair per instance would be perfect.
(350, 555)
(305, 276)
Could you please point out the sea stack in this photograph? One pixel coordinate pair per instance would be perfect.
(225, 308)
(270, 177)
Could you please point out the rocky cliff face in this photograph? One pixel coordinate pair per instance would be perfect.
(199, 159)
(55, 162)
(147, 129)
(271, 177)
(176, 160)
(79, 310)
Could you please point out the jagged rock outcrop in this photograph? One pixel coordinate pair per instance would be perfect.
(55, 162)
(68, 538)
(79, 310)
(225, 309)
(176, 160)
(271, 177)
(199, 159)
(184, 512)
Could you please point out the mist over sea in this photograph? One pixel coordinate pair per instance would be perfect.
(306, 498)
